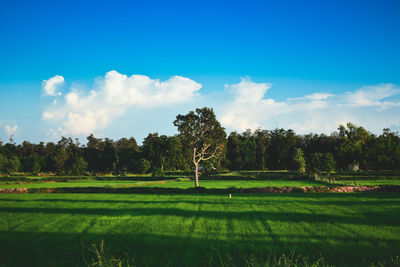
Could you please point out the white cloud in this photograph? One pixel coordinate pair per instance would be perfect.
(319, 112)
(142, 91)
(54, 134)
(241, 106)
(315, 96)
(11, 129)
(371, 95)
(113, 95)
(248, 91)
(238, 122)
(51, 85)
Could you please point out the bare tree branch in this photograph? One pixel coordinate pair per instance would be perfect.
(213, 154)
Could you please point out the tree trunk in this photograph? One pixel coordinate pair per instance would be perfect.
(196, 175)
(196, 169)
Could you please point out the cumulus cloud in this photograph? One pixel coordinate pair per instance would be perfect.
(244, 105)
(81, 114)
(372, 96)
(51, 86)
(369, 106)
(11, 129)
(248, 91)
(249, 105)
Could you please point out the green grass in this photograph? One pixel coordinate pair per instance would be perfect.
(389, 177)
(199, 229)
(187, 183)
(238, 183)
(370, 182)
(177, 183)
(78, 183)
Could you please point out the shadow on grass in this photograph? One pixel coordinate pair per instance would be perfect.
(279, 216)
(200, 246)
(88, 178)
(149, 249)
(340, 199)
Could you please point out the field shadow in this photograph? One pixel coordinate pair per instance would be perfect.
(340, 199)
(200, 247)
(149, 249)
(278, 216)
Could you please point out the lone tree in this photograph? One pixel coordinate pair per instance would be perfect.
(201, 132)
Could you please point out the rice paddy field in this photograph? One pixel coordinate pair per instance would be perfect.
(187, 183)
(298, 229)
(245, 179)
(176, 183)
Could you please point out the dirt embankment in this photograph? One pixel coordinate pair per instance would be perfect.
(14, 190)
(158, 190)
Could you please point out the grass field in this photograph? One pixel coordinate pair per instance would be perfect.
(187, 183)
(347, 229)
(176, 183)
(78, 183)
(370, 182)
(198, 230)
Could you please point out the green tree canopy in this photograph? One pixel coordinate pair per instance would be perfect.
(201, 133)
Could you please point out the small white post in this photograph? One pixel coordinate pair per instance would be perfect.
(230, 195)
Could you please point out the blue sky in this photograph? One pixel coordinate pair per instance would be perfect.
(308, 65)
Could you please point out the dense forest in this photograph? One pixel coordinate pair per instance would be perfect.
(350, 147)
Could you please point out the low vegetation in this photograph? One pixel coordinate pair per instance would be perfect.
(198, 229)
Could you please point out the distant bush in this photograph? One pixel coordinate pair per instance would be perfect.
(158, 173)
(36, 167)
(300, 161)
(183, 173)
(14, 164)
(142, 166)
(3, 163)
(319, 163)
(79, 167)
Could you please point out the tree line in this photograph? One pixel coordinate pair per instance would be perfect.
(351, 147)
